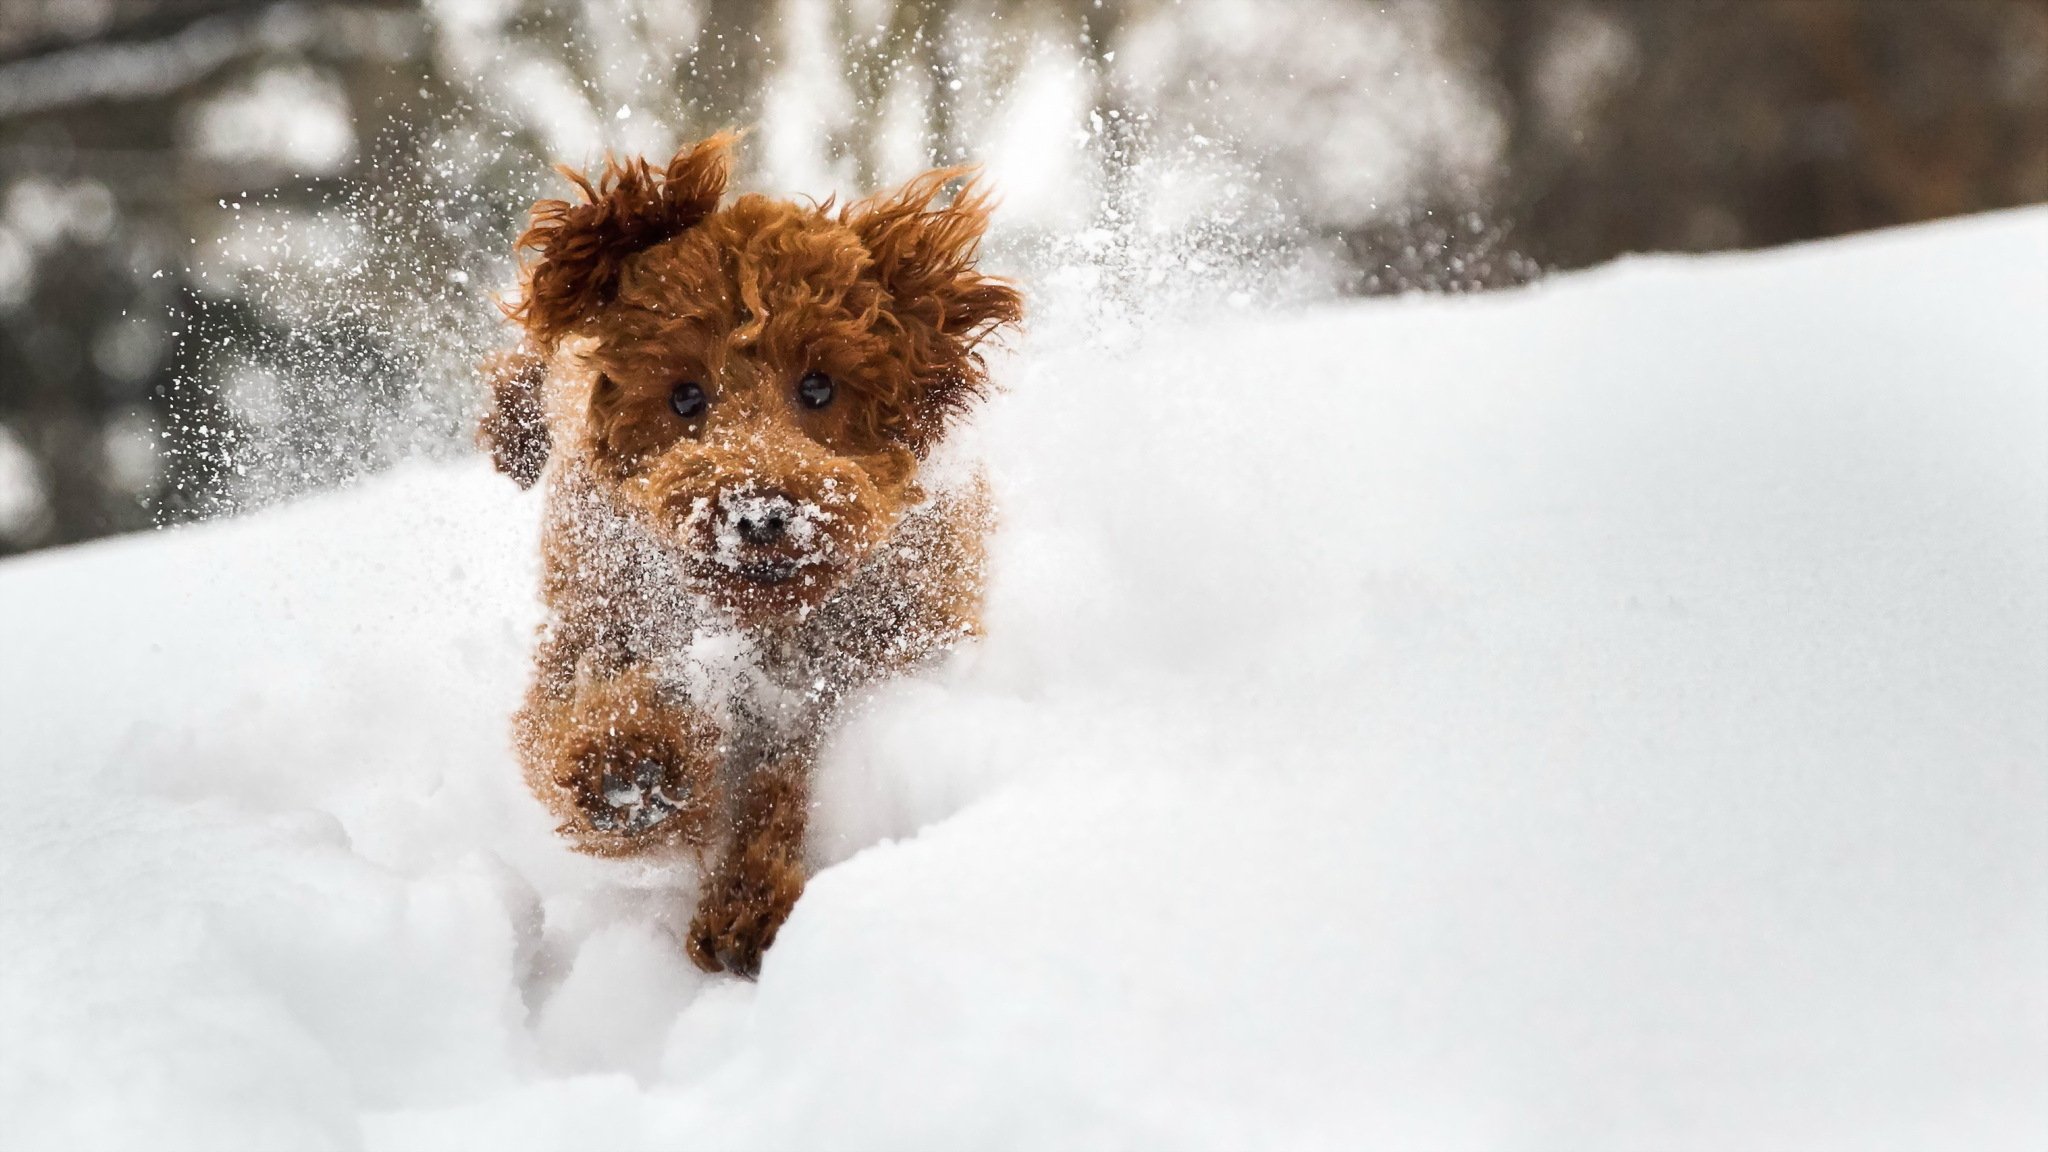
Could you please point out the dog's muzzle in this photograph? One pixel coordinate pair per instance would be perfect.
(764, 537)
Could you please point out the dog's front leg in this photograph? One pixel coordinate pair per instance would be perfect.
(627, 765)
(749, 893)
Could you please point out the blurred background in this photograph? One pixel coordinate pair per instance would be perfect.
(250, 247)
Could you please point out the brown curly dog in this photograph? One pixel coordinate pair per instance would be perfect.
(732, 409)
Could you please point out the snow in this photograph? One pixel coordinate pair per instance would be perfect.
(1602, 716)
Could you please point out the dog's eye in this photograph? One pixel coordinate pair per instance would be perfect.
(815, 390)
(689, 400)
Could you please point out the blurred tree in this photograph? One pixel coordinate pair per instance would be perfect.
(1733, 123)
(107, 177)
(225, 224)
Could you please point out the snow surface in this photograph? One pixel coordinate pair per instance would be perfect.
(1605, 716)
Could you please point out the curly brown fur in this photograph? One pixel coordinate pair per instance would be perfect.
(512, 429)
(720, 580)
(628, 208)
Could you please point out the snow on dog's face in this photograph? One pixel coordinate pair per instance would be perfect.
(763, 378)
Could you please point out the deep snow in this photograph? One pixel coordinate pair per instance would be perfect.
(1609, 715)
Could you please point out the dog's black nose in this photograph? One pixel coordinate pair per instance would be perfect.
(762, 527)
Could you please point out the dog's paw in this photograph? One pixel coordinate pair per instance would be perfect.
(740, 913)
(638, 791)
(635, 798)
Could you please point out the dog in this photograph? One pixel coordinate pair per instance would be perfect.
(733, 408)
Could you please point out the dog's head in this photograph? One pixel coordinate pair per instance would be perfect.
(763, 378)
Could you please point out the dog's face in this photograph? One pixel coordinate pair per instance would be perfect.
(764, 378)
(750, 395)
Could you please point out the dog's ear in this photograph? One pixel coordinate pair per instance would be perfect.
(629, 207)
(924, 256)
(512, 428)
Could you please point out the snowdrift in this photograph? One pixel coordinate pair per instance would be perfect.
(1609, 715)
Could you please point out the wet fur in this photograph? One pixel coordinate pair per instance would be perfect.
(682, 684)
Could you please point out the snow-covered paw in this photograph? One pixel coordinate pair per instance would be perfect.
(631, 795)
(638, 797)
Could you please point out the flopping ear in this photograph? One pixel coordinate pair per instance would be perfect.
(512, 429)
(629, 207)
(924, 256)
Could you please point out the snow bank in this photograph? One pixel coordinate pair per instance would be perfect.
(1603, 716)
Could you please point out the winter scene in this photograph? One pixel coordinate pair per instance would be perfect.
(1023, 574)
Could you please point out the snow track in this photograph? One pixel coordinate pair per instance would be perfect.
(1603, 716)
